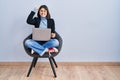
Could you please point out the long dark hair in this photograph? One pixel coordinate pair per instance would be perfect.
(46, 8)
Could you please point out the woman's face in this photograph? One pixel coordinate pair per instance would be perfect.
(43, 12)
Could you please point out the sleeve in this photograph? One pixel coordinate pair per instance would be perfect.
(53, 25)
(30, 19)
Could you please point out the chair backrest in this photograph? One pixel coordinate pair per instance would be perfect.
(28, 50)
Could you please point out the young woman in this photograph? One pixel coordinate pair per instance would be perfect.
(43, 20)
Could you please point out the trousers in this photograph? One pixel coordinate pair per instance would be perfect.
(40, 47)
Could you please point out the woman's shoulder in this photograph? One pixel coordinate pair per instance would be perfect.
(51, 19)
(36, 18)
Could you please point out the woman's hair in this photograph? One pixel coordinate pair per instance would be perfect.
(46, 8)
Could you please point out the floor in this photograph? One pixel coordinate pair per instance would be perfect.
(64, 72)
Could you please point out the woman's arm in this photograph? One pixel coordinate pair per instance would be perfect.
(30, 19)
(53, 35)
(52, 26)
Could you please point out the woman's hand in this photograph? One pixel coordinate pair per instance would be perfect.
(53, 35)
(36, 8)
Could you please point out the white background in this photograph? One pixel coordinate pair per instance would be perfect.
(90, 29)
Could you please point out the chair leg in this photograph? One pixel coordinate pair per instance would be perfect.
(51, 63)
(35, 61)
(54, 62)
(32, 64)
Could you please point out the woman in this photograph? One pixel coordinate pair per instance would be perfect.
(43, 20)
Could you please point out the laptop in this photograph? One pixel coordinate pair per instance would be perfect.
(41, 34)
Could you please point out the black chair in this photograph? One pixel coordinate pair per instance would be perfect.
(46, 55)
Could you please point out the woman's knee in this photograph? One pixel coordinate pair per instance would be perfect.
(28, 42)
(55, 42)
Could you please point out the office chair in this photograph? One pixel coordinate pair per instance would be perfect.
(48, 55)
